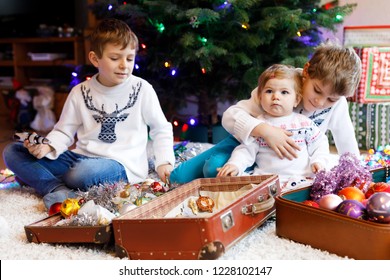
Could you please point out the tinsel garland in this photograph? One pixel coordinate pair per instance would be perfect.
(349, 172)
(103, 195)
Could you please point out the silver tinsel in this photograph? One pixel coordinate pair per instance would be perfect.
(103, 195)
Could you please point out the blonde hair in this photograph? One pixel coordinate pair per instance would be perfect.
(337, 66)
(113, 31)
(281, 71)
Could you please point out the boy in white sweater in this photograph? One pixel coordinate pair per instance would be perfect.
(332, 74)
(279, 91)
(111, 114)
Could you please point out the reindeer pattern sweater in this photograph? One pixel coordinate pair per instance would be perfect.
(113, 122)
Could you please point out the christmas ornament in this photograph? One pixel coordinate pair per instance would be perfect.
(55, 208)
(205, 204)
(194, 22)
(156, 187)
(330, 201)
(311, 203)
(69, 207)
(351, 193)
(146, 184)
(378, 207)
(126, 208)
(193, 206)
(351, 208)
(377, 187)
(33, 138)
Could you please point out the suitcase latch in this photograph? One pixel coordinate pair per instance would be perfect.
(256, 208)
(227, 221)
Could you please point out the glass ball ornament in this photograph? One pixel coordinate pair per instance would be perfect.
(378, 207)
(352, 208)
(351, 193)
(311, 203)
(330, 201)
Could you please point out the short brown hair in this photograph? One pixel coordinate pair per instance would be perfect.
(114, 31)
(336, 65)
(281, 71)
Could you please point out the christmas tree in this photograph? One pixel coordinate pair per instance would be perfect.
(215, 49)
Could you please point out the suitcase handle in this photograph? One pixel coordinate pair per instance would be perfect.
(259, 207)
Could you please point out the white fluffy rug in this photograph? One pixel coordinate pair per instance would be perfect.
(20, 207)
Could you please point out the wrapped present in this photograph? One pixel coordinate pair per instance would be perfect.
(367, 36)
(375, 82)
(372, 124)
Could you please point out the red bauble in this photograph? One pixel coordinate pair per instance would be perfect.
(55, 208)
(311, 203)
(351, 193)
(378, 187)
(156, 187)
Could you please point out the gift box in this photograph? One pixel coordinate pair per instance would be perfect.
(374, 85)
(371, 123)
(367, 36)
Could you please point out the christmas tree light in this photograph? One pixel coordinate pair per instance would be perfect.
(219, 46)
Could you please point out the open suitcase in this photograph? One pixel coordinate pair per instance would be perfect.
(327, 230)
(147, 233)
(45, 231)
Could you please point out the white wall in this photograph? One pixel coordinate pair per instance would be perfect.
(367, 12)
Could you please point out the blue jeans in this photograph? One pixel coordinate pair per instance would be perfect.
(58, 179)
(206, 163)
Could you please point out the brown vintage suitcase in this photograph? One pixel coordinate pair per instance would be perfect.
(145, 232)
(45, 231)
(327, 230)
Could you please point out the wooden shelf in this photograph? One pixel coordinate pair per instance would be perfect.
(23, 68)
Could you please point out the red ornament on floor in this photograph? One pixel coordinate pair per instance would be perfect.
(55, 208)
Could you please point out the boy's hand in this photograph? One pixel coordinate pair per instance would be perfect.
(164, 171)
(278, 140)
(315, 167)
(227, 170)
(37, 150)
